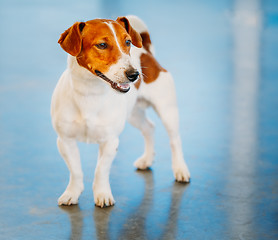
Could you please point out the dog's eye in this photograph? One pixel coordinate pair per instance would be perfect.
(101, 46)
(127, 43)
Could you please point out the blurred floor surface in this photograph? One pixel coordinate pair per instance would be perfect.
(223, 56)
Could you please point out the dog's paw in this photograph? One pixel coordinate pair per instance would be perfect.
(71, 195)
(104, 199)
(143, 163)
(181, 172)
(69, 198)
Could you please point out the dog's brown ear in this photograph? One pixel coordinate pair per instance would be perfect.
(71, 40)
(135, 36)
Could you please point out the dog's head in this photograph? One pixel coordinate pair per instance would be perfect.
(103, 47)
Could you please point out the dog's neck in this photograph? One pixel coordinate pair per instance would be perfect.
(83, 81)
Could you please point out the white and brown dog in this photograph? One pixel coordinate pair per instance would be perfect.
(106, 83)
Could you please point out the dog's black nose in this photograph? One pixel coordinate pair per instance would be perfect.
(132, 75)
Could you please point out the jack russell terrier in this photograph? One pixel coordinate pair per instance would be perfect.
(106, 83)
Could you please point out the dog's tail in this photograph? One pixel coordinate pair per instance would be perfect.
(140, 27)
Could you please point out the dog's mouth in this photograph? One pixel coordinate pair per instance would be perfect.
(121, 87)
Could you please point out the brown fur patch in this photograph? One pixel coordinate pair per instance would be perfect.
(138, 83)
(146, 40)
(82, 42)
(96, 32)
(122, 36)
(150, 67)
(70, 40)
(135, 36)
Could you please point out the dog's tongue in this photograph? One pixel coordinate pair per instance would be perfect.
(124, 87)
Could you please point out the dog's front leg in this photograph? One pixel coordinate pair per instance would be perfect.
(101, 186)
(69, 151)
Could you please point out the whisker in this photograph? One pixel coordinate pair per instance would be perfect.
(144, 75)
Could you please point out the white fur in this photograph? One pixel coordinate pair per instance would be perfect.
(85, 108)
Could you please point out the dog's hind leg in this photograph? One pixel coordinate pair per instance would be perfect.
(69, 151)
(164, 103)
(139, 120)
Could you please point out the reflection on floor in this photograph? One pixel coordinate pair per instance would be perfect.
(223, 56)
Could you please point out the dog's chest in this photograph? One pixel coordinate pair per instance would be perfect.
(98, 119)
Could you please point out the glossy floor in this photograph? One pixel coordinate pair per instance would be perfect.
(224, 58)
